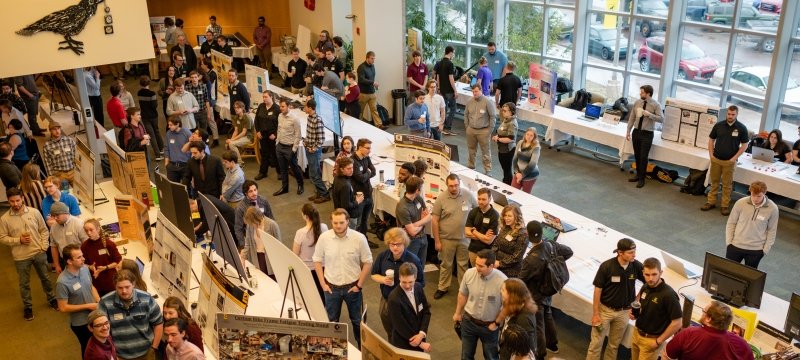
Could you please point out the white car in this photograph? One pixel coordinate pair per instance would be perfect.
(753, 80)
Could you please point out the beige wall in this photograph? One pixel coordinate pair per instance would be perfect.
(319, 19)
(381, 29)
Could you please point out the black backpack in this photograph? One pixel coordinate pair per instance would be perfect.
(555, 273)
(384, 114)
(582, 97)
(695, 183)
(563, 85)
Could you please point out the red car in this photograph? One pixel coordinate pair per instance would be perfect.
(771, 5)
(694, 64)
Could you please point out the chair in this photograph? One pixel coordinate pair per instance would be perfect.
(251, 150)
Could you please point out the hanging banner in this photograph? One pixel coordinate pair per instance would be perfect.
(542, 88)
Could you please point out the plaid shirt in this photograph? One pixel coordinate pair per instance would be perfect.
(315, 133)
(16, 101)
(200, 93)
(216, 29)
(59, 154)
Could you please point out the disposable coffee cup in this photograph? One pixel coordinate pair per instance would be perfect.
(636, 308)
(390, 275)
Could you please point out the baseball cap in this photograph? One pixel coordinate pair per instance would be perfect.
(625, 244)
(534, 231)
(59, 208)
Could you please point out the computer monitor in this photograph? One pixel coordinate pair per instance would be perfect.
(732, 282)
(793, 318)
(328, 110)
(201, 39)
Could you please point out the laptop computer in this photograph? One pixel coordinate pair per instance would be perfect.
(593, 112)
(557, 223)
(763, 154)
(678, 266)
(550, 233)
(201, 39)
(501, 199)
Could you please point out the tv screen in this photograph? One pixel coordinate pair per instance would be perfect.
(793, 318)
(328, 110)
(732, 282)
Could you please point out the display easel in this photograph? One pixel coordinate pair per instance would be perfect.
(292, 282)
(217, 231)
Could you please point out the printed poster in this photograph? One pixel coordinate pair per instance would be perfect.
(409, 148)
(542, 88)
(221, 64)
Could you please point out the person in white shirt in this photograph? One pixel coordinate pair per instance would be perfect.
(177, 346)
(436, 109)
(347, 260)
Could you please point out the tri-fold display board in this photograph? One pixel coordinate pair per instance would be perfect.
(688, 123)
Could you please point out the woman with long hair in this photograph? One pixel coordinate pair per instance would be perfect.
(254, 249)
(526, 161)
(511, 241)
(305, 239)
(518, 309)
(506, 138)
(32, 187)
(166, 88)
(101, 255)
(130, 265)
(346, 150)
(174, 308)
(776, 144)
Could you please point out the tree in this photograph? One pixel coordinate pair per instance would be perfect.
(524, 30)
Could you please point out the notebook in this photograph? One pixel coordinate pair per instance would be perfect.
(557, 223)
(678, 266)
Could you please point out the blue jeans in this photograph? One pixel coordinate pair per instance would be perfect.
(437, 135)
(333, 306)
(39, 263)
(419, 247)
(450, 108)
(315, 173)
(471, 333)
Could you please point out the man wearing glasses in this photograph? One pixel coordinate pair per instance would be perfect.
(385, 270)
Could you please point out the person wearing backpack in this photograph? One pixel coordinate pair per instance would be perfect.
(535, 273)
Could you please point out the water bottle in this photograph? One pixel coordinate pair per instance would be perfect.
(380, 176)
(145, 199)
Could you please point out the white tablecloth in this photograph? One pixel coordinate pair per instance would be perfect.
(281, 60)
(775, 175)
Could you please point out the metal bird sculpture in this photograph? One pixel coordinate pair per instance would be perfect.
(68, 22)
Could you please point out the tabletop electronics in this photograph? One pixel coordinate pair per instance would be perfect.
(678, 266)
(593, 112)
(733, 283)
(557, 223)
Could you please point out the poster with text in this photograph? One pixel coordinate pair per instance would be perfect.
(159, 29)
(257, 81)
(693, 122)
(255, 337)
(172, 250)
(409, 148)
(84, 174)
(221, 64)
(217, 295)
(542, 88)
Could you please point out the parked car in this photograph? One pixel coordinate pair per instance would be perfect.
(694, 63)
(722, 13)
(754, 79)
(695, 9)
(567, 23)
(767, 43)
(771, 5)
(603, 42)
(652, 8)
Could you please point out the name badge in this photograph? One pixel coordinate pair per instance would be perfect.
(418, 206)
(67, 149)
(69, 233)
(491, 298)
(422, 70)
(761, 217)
(644, 295)
(482, 111)
(486, 220)
(615, 279)
(464, 208)
(509, 237)
(200, 92)
(76, 286)
(360, 168)
(735, 133)
(502, 128)
(117, 317)
(171, 141)
(56, 152)
(292, 68)
(234, 92)
(270, 113)
(102, 252)
(261, 209)
(179, 101)
(497, 61)
(419, 307)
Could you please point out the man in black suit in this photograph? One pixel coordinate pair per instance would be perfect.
(203, 171)
(187, 52)
(409, 319)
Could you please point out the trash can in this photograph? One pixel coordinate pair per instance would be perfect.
(399, 106)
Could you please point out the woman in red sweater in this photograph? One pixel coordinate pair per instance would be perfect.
(101, 255)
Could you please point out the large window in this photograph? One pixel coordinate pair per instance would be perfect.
(540, 32)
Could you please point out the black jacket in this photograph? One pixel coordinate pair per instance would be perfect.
(215, 174)
(265, 123)
(9, 174)
(188, 54)
(363, 170)
(239, 93)
(405, 321)
(344, 197)
(533, 267)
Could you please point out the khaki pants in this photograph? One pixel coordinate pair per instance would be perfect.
(371, 101)
(450, 248)
(66, 175)
(721, 173)
(234, 204)
(475, 138)
(644, 348)
(613, 323)
(153, 67)
(295, 90)
(265, 57)
(151, 355)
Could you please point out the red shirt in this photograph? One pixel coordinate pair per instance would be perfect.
(352, 96)
(98, 255)
(697, 342)
(116, 111)
(418, 73)
(95, 350)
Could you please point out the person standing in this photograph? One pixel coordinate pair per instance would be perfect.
(518, 310)
(295, 70)
(92, 77)
(262, 37)
(368, 87)
(614, 291)
(198, 89)
(29, 92)
(417, 118)
(203, 172)
(409, 311)
(100, 346)
(305, 240)
(312, 142)
(213, 27)
(481, 225)
(148, 102)
(266, 127)
(412, 215)
(511, 242)
(52, 186)
(484, 77)
(183, 104)
(659, 317)
(251, 198)
(752, 225)
(347, 260)
(255, 246)
(102, 256)
(10, 174)
(135, 317)
(179, 348)
(237, 90)
(75, 293)
(234, 179)
(175, 158)
(726, 142)
(448, 218)
(363, 171)
(506, 139)
(187, 53)
(479, 120)
(344, 196)
(712, 337)
(385, 270)
(646, 112)
(288, 142)
(509, 87)
(445, 72)
(478, 306)
(333, 64)
(65, 229)
(115, 108)
(436, 106)
(416, 73)
(497, 61)
(24, 230)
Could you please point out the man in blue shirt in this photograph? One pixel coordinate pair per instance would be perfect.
(75, 293)
(52, 187)
(497, 61)
(485, 77)
(417, 117)
(174, 157)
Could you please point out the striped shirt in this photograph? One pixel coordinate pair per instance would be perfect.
(34, 197)
(132, 328)
(315, 133)
(59, 154)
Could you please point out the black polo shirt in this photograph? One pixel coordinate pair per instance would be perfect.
(444, 69)
(728, 138)
(335, 66)
(385, 261)
(298, 81)
(618, 284)
(660, 305)
(509, 86)
(482, 222)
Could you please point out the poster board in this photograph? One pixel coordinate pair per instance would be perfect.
(159, 29)
(217, 295)
(282, 259)
(303, 39)
(257, 81)
(374, 347)
(542, 88)
(128, 40)
(409, 148)
(221, 64)
(129, 172)
(84, 171)
(133, 217)
(173, 253)
(688, 123)
(413, 43)
(255, 337)
(224, 244)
